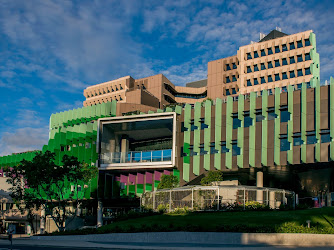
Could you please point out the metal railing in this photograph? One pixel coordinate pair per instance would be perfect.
(137, 156)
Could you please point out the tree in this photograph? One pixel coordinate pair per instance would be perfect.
(41, 184)
(168, 181)
(212, 176)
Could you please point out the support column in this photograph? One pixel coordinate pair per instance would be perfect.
(259, 183)
(42, 222)
(99, 214)
(272, 202)
(124, 149)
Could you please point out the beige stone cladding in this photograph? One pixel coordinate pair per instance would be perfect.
(108, 91)
(290, 65)
(223, 77)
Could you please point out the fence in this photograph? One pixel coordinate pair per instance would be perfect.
(216, 197)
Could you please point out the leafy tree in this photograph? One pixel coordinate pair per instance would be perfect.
(168, 181)
(212, 176)
(41, 184)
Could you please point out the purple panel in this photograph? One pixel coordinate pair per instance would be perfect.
(157, 175)
(1, 172)
(166, 172)
(124, 179)
(149, 178)
(117, 178)
(140, 178)
(132, 178)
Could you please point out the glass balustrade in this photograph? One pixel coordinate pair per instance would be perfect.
(137, 156)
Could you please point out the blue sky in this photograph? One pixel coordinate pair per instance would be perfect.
(51, 50)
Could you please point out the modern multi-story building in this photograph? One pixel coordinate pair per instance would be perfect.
(262, 110)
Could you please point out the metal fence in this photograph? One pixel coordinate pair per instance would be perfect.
(217, 198)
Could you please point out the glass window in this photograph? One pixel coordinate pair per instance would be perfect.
(299, 86)
(307, 57)
(235, 148)
(270, 51)
(307, 42)
(284, 89)
(256, 55)
(224, 149)
(285, 144)
(263, 66)
(307, 71)
(193, 127)
(248, 121)
(201, 150)
(259, 117)
(297, 141)
(249, 70)
(299, 58)
(299, 72)
(233, 91)
(236, 122)
(256, 82)
(271, 115)
(277, 64)
(284, 76)
(256, 68)
(270, 79)
(183, 128)
(228, 92)
(311, 139)
(308, 85)
(292, 45)
(285, 115)
(292, 74)
(213, 150)
(277, 49)
(284, 61)
(234, 79)
(249, 56)
(270, 65)
(191, 152)
(292, 60)
(325, 138)
(263, 53)
(203, 125)
(277, 78)
(249, 82)
(234, 66)
(284, 47)
(299, 44)
(228, 67)
(263, 80)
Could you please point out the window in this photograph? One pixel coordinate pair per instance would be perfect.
(271, 114)
(248, 121)
(307, 71)
(325, 136)
(285, 115)
(233, 91)
(259, 116)
(299, 44)
(307, 42)
(292, 74)
(256, 55)
(285, 144)
(284, 76)
(270, 79)
(203, 125)
(284, 47)
(284, 61)
(308, 85)
(270, 65)
(299, 58)
(270, 51)
(191, 151)
(256, 68)
(292, 60)
(236, 121)
(224, 149)
(292, 45)
(277, 78)
(263, 53)
(277, 64)
(263, 80)
(256, 82)
(228, 67)
(213, 150)
(249, 82)
(228, 92)
(307, 57)
(192, 127)
(234, 66)
(299, 86)
(235, 148)
(183, 128)
(249, 56)
(277, 50)
(311, 138)
(297, 140)
(228, 79)
(201, 150)
(234, 79)
(249, 70)
(263, 66)
(299, 72)
(270, 91)
(284, 89)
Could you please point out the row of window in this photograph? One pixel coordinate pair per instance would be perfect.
(69, 148)
(278, 77)
(232, 79)
(230, 67)
(113, 89)
(235, 149)
(278, 63)
(278, 49)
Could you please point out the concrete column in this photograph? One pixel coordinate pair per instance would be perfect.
(272, 202)
(78, 212)
(124, 148)
(259, 183)
(99, 214)
(42, 221)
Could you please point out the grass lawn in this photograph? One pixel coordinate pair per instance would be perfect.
(321, 218)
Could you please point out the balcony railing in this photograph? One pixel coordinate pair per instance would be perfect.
(137, 156)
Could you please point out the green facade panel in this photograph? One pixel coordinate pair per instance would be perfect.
(186, 140)
(218, 133)
(197, 138)
(303, 122)
(240, 141)
(277, 122)
(317, 119)
(229, 130)
(207, 134)
(252, 129)
(290, 124)
(264, 142)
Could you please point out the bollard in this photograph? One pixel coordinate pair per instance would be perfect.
(308, 223)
